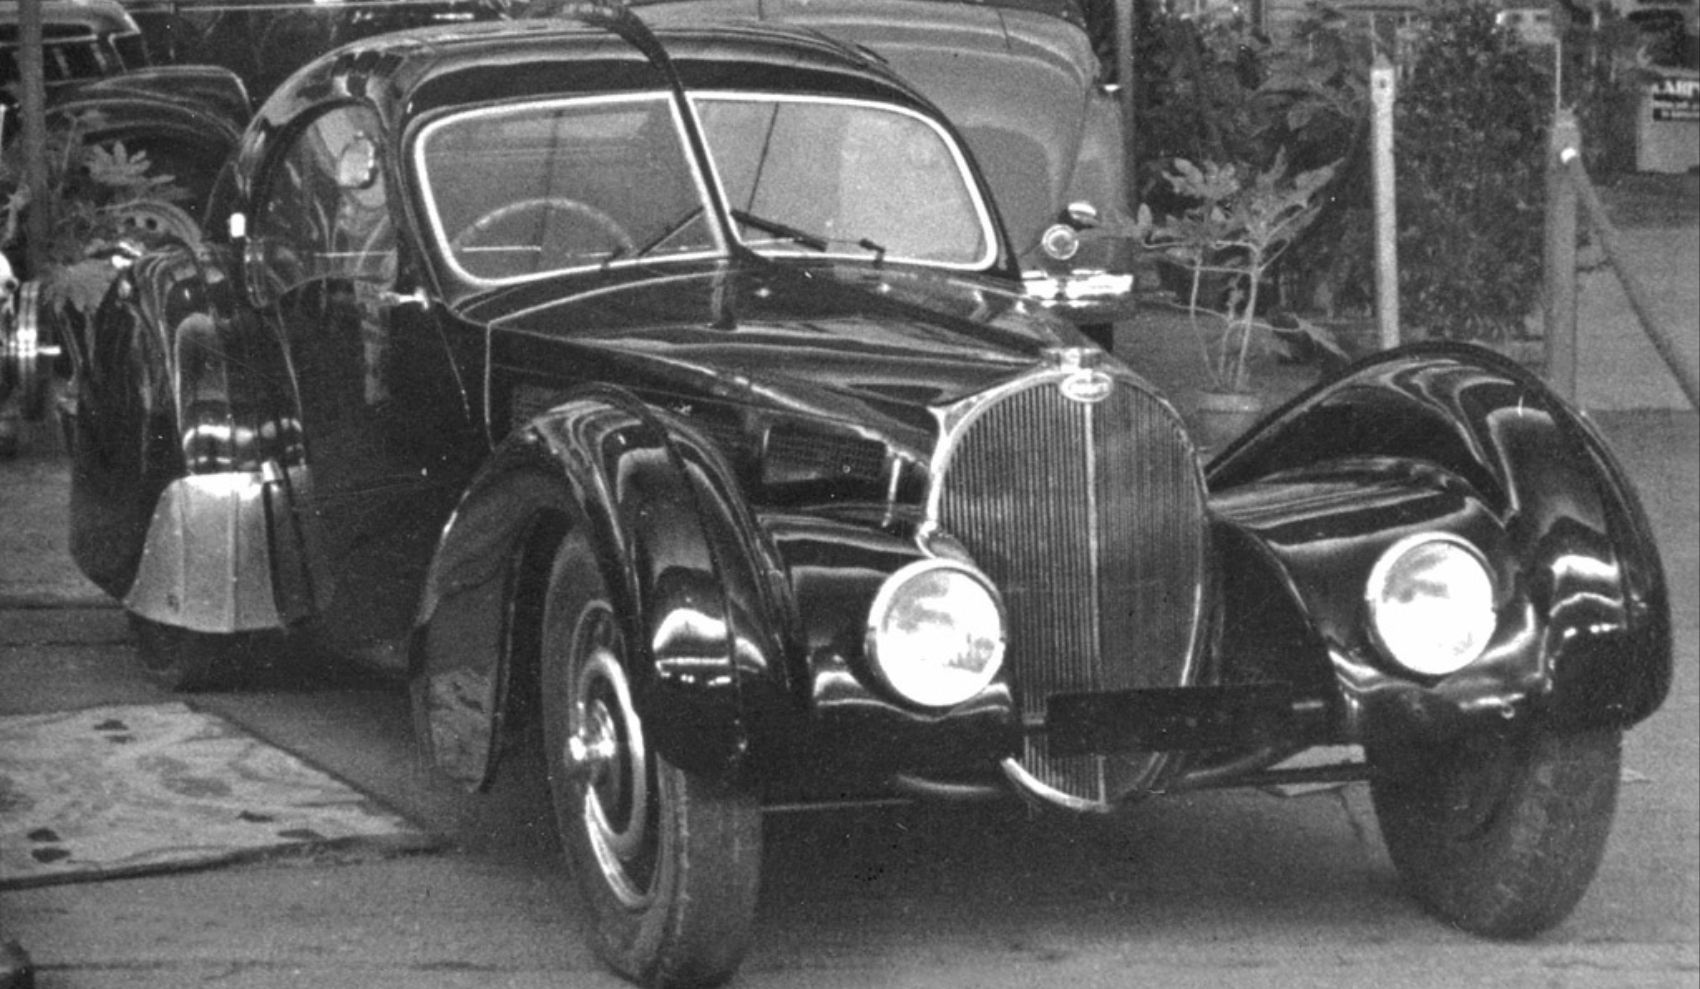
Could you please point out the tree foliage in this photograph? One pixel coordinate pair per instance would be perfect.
(1472, 122)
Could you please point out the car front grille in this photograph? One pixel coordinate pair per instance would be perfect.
(1089, 516)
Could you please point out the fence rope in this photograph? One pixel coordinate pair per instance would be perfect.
(1663, 339)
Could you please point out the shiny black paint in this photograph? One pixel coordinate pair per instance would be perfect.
(169, 351)
(1590, 639)
(744, 574)
(684, 569)
(843, 733)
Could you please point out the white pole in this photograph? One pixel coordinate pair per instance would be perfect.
(1381, 87)
(1129, 92)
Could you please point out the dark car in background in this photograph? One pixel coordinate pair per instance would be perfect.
(81, 39)
(672, 397)
(263, 41)
(1021, 80)
(97, 67)
(102, 90)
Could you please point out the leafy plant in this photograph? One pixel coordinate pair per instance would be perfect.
(94, 191)
(1211, 88)
(1240, 221)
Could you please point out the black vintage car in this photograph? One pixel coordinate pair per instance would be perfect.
(677, 390)
(97, 70)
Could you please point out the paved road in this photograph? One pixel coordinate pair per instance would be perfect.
(1210, 890)
(1239, 889)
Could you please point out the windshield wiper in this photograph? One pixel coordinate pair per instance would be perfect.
(809, 240)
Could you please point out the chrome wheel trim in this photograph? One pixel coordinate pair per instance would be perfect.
(1029, 785)
(605, 751)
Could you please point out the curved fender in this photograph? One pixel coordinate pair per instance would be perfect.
(683, 560)
(1595, 640)
(186, 452)
(1297, 550)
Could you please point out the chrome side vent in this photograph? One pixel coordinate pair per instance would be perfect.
(1086, 506)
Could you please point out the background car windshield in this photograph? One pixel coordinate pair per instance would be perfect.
(515, 192)
(825, 176)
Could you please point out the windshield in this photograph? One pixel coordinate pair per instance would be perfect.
(825, 176)
(519, 191)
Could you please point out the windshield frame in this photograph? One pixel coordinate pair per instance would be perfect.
(440, 239)
(964, 170)
(724, 230)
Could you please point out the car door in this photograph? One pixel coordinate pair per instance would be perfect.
(389, 439)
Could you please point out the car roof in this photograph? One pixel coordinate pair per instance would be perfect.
(1068, 10)
(96, 16)
(410, 73)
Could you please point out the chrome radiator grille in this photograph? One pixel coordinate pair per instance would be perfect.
(1090, 518)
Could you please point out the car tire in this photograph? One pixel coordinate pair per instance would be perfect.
(668, 861)
(1502, 836)
(178, 659)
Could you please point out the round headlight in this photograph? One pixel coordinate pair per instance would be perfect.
(1431, 603)
(936, 633)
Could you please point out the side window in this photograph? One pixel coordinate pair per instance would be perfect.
(325, 209)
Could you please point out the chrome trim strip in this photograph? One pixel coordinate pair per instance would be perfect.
(1028, 784)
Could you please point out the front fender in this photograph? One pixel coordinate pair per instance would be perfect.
(685, 564)
(1577, 544)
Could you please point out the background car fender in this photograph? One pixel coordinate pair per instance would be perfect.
(217, 93)
(186, 123)
(1581, 543)
(684, 562)
(1297, 549)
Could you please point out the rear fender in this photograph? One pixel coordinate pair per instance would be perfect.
(186, 452)
(1589, 619)
(215, 92)
(681, 558)
(187, 120)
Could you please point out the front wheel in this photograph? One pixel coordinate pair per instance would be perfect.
(667, 861)
(1503, 835)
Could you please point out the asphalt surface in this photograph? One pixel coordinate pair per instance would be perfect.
(1207, 890)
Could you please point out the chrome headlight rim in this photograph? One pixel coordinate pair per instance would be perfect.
(1380, 620)
(900, 678)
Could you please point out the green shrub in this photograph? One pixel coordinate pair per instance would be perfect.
(1212, 89)
(1472, 118)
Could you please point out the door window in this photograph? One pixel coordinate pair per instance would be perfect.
(325, 212)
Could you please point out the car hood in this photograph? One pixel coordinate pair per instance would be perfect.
(1013, 80)
(873, 348)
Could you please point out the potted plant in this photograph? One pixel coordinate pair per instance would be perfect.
(1239, 222)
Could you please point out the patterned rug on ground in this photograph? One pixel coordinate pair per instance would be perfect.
(137, 789)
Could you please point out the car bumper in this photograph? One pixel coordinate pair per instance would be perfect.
(1083, 296)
